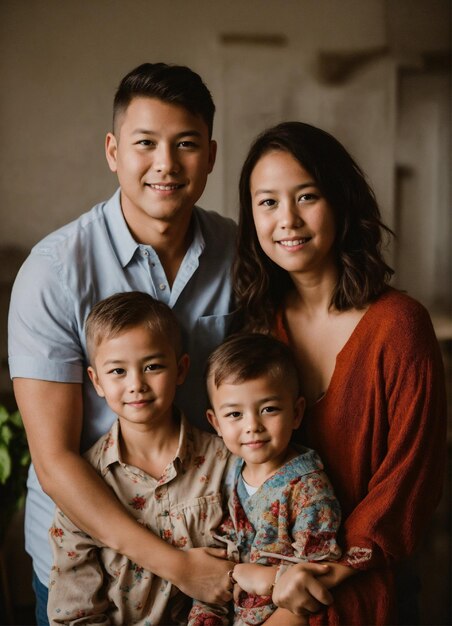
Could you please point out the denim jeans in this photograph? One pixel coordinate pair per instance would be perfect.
(42, 595)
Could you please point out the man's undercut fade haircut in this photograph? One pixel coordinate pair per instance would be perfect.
(248, 356)
(174, 84)
(122, 311)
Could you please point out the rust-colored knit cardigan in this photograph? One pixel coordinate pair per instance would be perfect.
(380, 430)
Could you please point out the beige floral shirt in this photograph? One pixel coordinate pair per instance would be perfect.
(91, 583)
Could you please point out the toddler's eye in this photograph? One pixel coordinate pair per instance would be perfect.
(233, 415)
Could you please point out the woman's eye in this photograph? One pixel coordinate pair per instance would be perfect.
(268, 202)
(308, 197)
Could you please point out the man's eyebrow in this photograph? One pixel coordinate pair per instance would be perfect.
(184, 133)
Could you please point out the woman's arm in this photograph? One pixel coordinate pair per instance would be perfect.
(52, 414)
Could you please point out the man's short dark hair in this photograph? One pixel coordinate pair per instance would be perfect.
(174, 84)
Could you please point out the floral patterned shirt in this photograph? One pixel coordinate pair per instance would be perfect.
(293, 516)
(91, 583)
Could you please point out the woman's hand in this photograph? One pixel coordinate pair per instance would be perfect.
(301, 589)
(254, 578)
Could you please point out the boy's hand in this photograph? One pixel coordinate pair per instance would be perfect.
(254, 578)
(203, 575)
(300, 591)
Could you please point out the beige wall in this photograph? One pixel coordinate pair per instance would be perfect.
(60, 63)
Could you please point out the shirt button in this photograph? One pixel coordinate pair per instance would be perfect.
(162, 286)
(146, 253)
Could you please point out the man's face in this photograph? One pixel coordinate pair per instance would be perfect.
(162, 156)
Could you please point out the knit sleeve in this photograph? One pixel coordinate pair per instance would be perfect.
(406, 487)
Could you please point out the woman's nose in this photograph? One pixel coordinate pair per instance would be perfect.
(289, 215)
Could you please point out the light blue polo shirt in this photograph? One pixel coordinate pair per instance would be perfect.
(85, 261)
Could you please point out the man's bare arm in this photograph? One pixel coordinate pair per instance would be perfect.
(52, 414)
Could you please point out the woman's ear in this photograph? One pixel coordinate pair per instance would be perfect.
(95, 380)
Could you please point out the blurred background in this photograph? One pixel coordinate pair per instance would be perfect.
(374, 73)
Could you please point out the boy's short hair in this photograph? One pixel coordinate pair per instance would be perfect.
(123, 311)
(248, 356)
(174, 84)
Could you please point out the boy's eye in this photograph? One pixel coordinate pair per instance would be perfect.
(118, 371)
(153, 367)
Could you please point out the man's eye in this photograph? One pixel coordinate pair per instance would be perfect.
(145, 142)
(187, 144)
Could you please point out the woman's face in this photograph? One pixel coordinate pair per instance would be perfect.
(294, 222)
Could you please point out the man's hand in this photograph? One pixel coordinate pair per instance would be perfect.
(203, 575)
(301, 590)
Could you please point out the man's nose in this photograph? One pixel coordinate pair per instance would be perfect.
(165, 159)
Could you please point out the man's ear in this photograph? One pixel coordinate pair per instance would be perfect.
(111, 151)
(182, 368)
(213, 421)
(300, 405)
(212, 154)
(95, 380)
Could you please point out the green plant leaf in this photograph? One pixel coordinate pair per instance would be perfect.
(3, 415)
(6, 434)
(16, 419)
(5, 464)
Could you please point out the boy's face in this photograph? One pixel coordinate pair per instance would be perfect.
(162, 155)
(137, 372)
(256, 419)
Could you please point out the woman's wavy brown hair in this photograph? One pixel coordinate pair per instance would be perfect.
(260, 285)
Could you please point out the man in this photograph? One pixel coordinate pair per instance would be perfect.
(149, 237)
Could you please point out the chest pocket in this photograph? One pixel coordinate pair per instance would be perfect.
(194, 521)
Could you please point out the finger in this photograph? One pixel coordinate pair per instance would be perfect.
(236, 595)
(319, 592)
(220, 553)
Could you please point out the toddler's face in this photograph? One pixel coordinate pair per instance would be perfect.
(256, 419)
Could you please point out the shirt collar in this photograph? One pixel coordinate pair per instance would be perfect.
(110, 452)
(121, 238)
(123, 242)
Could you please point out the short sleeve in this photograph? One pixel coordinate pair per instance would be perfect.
(43, 334)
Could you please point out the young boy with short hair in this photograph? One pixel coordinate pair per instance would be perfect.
(282, 509)
(149, 236)
(166, 473)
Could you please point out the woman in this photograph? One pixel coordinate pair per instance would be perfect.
(309, 268)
